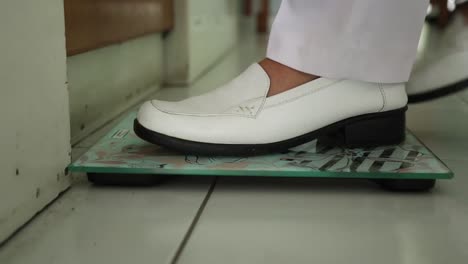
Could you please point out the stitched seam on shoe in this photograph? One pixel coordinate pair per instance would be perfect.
(212, 115)
(303, 95)
(198, 114)
(250, 100)
(384, 97)
(260, 108)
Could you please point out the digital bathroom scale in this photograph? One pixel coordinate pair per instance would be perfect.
(121, 157)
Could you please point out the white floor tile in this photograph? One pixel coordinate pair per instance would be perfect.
(110, 225)
(317, 221)
(443, 103)
(457, 188)
(444, 129)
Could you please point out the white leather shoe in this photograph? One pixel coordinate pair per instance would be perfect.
(239, 119)
(441, 67)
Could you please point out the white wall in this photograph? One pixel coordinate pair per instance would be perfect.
(107, 81)
(34, 134)
(204, 31)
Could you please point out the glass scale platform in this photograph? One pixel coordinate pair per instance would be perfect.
(121, 152)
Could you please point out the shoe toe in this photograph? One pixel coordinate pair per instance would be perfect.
(157, 116)
(151, 117)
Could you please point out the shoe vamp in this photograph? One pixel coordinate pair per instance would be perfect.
(250, 86)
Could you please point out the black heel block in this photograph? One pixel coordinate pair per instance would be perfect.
(387, 128)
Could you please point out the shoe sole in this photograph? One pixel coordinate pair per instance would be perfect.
(376, 129)
(437, 93)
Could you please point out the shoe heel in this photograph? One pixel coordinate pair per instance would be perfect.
(386, 128)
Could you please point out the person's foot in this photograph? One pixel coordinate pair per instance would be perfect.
(442, 63)
(282, 77)
(240, 118)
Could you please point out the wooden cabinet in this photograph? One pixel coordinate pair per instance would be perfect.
(92, 24)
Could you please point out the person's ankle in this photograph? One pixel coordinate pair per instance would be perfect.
(282, 77)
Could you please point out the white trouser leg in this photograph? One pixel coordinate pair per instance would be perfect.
(366, 40)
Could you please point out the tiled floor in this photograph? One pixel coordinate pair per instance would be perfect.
(261, 220)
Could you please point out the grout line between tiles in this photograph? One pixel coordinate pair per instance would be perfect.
(193, 224)
(33, 218)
